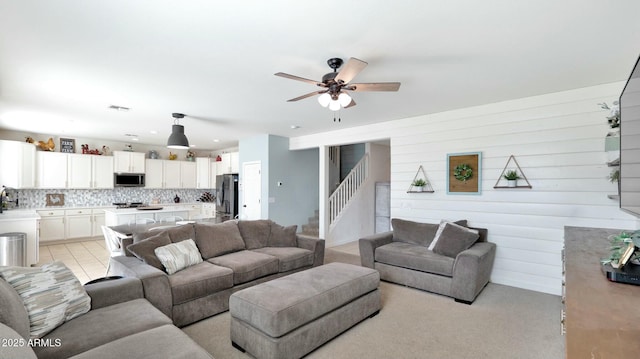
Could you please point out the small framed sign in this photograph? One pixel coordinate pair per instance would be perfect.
(67, 145)
(55, 199)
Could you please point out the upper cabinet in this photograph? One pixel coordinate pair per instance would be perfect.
(230, 163)
(18, 161)
(72, 170)
(128, 162)
(170, 174)
(188, 173)
(52, 169)
(203, 174)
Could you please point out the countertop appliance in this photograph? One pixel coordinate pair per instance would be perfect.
(227, 196)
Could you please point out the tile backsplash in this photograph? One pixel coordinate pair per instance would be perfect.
(36, 198)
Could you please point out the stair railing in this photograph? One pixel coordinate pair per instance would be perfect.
(348, 188)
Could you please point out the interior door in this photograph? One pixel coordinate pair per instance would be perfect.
(251, 190)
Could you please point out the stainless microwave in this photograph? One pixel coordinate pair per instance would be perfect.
(128, 179)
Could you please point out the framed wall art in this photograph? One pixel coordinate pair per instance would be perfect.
(464, 173)
(68, 145)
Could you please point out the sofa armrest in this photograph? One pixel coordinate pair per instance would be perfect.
(472, 271)
(369, 244)
(313, 244)
(155, 283)
(110, 292)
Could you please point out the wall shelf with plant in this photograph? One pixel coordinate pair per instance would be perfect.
(420, 183)
(512, 176)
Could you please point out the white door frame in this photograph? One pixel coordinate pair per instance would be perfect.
(249, 188)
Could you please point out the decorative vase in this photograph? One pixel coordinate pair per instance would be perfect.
(512, 183)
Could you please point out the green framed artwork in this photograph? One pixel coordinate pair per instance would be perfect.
(464, 173)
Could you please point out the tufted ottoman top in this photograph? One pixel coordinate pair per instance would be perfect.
(284, 304)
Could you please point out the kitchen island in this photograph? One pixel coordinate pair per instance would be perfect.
(25, 221)
(119, 216)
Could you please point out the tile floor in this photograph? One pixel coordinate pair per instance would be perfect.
(87, 259)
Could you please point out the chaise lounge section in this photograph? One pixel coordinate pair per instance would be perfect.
(447, 258)
(234, 255)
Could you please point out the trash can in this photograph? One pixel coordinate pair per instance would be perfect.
(12, 249)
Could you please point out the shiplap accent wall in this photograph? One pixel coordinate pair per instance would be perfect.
(558, 140)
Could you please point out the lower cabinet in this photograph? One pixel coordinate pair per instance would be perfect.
(60, 224)
(51, 225)
(78, 223)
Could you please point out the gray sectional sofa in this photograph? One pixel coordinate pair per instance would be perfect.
(120, 324)
(458, 264)
(236, 255)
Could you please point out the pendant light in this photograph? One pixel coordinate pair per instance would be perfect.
(177, 139)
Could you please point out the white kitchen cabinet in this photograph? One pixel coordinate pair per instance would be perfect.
(209, 210)
(128, 162)
(52, 169)
(78, 171)
(78, 223)
(178, 213)
(97, 221)
(18, 161)
(51, 225)
(154, 174)
(230, 163)
(203, 172)
(213, 172)
(23, 221)
(171, 174)
(188, 173)
(102, 171)
(193, 211)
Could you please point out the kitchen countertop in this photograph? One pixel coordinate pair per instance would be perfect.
(19, 214)
(165, 208)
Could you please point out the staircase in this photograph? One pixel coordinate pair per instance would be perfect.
(340, 198)
(312, 228)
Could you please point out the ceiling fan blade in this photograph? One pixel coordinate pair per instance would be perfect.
(293, 77)
(350, 70)
(307, 95)
(374, 86)
(351, 104)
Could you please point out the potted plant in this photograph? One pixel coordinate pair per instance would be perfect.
(621, 243)
(512, 178)
(419, 184)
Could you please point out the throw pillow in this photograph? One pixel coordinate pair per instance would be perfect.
(145, 249)
(462, 222)
(181, 233)
(217, 239)
(255, 233)
(455, 239)
(281, 236)
(413, 232)
(51, 294)
(178, 256)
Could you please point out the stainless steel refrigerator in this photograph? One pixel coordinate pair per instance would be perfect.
(227, 196)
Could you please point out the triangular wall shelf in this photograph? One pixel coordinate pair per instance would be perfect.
(500, 178)
(425, 189)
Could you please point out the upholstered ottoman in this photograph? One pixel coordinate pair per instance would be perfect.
(290, 316)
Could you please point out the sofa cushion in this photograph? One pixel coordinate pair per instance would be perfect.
(166, 341)
(290, 258)
(181, 233)
(10, 345)
(413, 232)
(12, 311)
(101, 326)
(462, 222)
(414, 257)
(198, 281)
(255, 233)
(145, 249)
(283, 236)
(247, 265)
(455, 239)
(51, 294)
(178, 256)
(218, 239)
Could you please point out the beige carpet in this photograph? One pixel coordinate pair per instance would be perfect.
(503, 322)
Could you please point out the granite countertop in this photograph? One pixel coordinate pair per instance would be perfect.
(165, 208)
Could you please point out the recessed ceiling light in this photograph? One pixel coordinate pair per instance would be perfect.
(153, 132)
(216, 140)
(119, 108)
(192, 145)
(295, 127)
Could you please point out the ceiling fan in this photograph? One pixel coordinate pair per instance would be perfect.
(335, 85)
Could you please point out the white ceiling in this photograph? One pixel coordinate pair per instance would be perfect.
(63, 62)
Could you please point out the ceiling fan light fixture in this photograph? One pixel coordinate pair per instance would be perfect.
(324, 99)
(344, 99)
(334, 105)
(177, 139)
